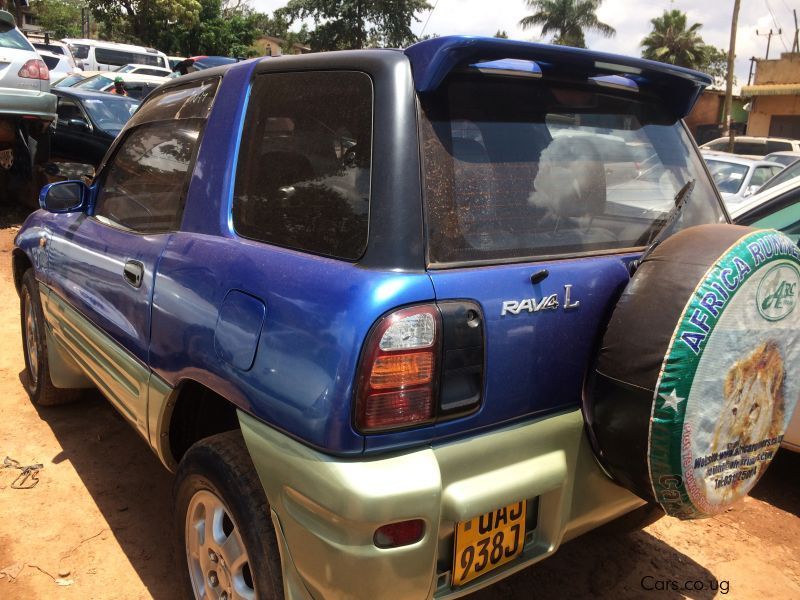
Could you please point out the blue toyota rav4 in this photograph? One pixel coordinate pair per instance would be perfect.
(362, 303)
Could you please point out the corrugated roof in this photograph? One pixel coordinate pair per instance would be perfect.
(771, 89)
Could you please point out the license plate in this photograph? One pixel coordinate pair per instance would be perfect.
(488, 541)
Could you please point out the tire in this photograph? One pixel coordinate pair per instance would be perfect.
(699, 369)
(37, 380)
(216, 475)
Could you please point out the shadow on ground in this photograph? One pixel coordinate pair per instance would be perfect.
(780, 485)
(126, 481)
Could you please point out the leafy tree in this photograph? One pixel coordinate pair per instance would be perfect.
(345, 24)
(143, 20)
(715, 63)
(567, 19)
(501, 33)
(671, 41)
(60, 17)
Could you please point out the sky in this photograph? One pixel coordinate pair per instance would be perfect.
(631, 19)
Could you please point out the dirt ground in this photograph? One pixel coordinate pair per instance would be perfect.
(98, 523)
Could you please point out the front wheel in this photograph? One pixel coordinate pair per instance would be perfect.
(227, 548)
(37, 380)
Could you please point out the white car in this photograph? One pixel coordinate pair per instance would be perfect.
(58, 65)
(738, 178)
(776, 208)
(753, 147)
(54, 47)
(144, 70)
(785, 158)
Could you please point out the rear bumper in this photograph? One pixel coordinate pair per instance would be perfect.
(27, 103)
(326, 509)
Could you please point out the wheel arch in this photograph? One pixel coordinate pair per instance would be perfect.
(20, 262)
(190, 413)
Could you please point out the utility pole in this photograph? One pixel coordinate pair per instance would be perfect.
(726, 113)
(769, 39)
(753, 60)
(795, 43)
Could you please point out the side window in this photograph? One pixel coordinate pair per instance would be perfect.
(144, 183)
(760, 176)
(303, 178)
(67, 110)
(106, 56)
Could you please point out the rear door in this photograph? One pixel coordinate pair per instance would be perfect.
(523, 218)
(102, 266)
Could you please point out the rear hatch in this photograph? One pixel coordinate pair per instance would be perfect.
(541, 185)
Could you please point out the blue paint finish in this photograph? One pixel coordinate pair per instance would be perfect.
(432, 60)
(215, 167)
(319, 313)
(238, 329)
(536, 362)
(86, 261)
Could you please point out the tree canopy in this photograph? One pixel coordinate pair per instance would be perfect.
(62, 18)
(567, 19)
(348, 24)
(671, 41)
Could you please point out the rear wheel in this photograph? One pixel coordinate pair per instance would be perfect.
(37, 380)
(227, 546)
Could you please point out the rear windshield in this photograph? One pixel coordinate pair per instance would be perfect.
(79, 50)
(10, 37)
(729, 177)
(525, 169)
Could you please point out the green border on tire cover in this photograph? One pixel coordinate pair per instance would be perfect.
(739, 263)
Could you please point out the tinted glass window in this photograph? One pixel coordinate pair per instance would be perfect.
(111, 57)
(69, 81)
(50, 61)
(110, 115)
(144, 184)
(753, 148)
(79, 50)
(520, 169)
(67, 109)
(303, 177)
(183, 102)
(49, 48)
(775, 146)
(10, 37)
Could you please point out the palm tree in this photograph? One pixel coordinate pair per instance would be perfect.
(567, 19)
(671, 42)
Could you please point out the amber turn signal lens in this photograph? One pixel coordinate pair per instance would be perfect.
(402, 370)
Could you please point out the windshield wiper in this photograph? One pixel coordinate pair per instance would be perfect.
(666, 228)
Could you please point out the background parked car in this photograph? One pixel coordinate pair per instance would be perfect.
(144, 70)
(137, 86)
(87, 123)
(753, 147)
(738, 177)
(58, 65)
(53, 46)
(788, 173)
(785, 158)
(106, 56)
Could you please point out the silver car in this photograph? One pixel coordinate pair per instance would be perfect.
(738, 178)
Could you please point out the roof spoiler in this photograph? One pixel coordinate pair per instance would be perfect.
(7, 19)
(432, 60)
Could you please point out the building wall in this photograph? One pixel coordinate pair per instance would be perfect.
(268, 46)
(705, 112)
(786, 69)
(764, 107)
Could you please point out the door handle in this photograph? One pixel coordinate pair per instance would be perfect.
(134, 272)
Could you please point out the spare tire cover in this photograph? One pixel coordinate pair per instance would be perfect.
(699, 369)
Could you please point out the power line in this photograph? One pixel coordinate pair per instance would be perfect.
(428, 20)
(775, 22)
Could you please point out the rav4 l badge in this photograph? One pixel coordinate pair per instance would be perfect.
(532, 305)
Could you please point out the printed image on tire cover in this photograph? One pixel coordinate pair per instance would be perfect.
(727, 385)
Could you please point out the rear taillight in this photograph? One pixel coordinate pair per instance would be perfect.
(34, 69)
(397, 378)
(421, 364)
